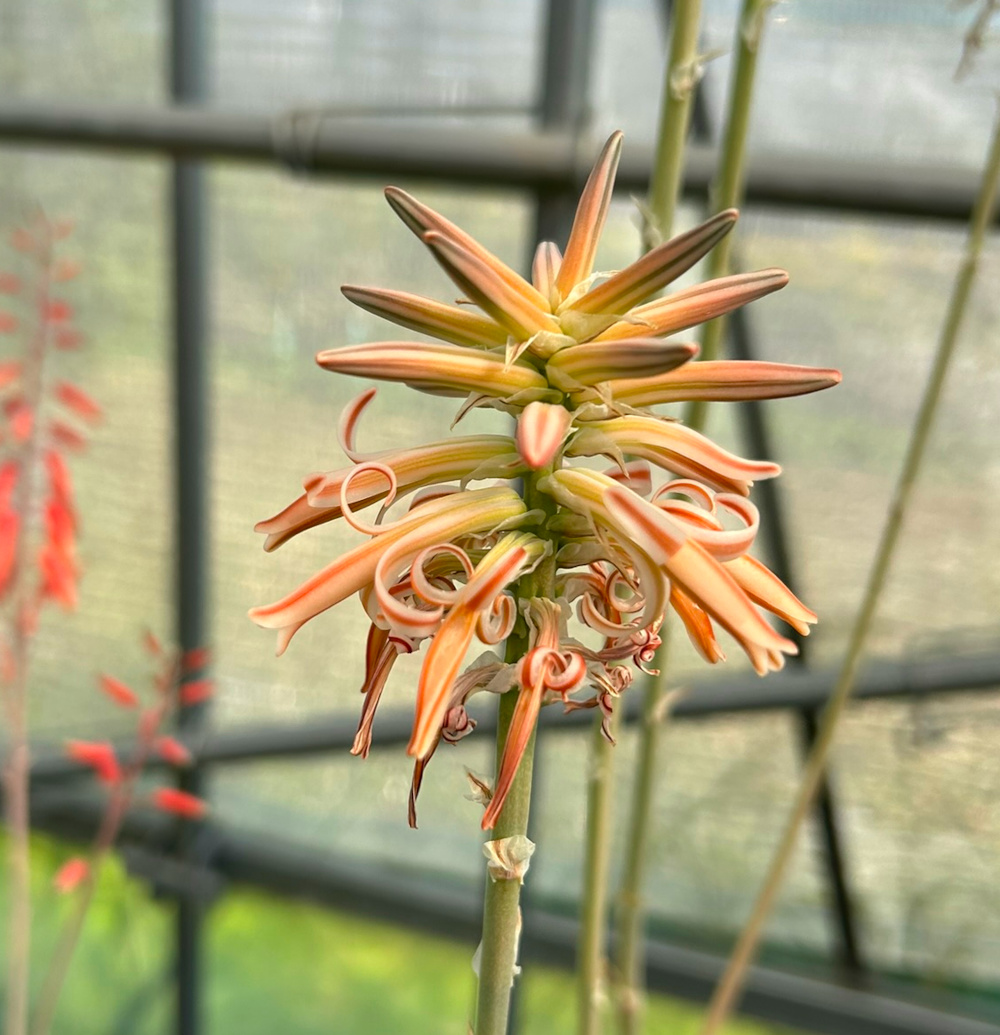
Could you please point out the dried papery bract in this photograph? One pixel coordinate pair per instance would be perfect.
(43, 419)
(543, 542)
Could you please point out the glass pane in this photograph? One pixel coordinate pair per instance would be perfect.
(61, 49)
(358, 55)
(722, 794)
(356, 809)
(820, 64)
(920, 782)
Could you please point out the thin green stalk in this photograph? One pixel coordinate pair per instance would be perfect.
(730, 178)
(679, 82)
(591, 960)
(733, 979)
(501, 906)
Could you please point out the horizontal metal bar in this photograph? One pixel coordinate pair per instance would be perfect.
(324, 142)
(790, 689)
(454, 912)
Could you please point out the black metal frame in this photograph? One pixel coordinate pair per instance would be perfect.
(551, 162)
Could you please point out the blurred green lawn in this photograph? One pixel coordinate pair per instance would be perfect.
(272, 966)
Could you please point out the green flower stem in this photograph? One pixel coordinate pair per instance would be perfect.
(678, 93)
(591, 959)
(630, 955)
(679, 82)
(501, 906)
(730, 178)
(733, 979)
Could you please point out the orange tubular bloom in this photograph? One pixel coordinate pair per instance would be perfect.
(578, 357)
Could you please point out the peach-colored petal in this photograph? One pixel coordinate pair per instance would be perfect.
(440, 369)
(724, 381)
(656, 268)
(501, 566)
(672, 446)
(698, 625)
(591, 213)
(447, 322)
(460, 513)
(699, 576)
(545, 269)
(483, 285)
(763, 587)
(480, 456)
(522, 725)
(598, 361)
(423, 220)
(696, 304)
(541, 429)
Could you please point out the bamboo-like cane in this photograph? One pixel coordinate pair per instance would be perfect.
(679, 84)
(734, 977)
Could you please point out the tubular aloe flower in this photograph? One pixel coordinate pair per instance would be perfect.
(578, 357)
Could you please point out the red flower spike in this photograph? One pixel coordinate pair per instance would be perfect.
(61, 229)
(97, 755)
(118, 691)
(65, 435)
(78, 401)
(9, 284)
(195, 692)
(172, 751)
(179, 803)
(8, 322)
(67, 338)
(58, 311)
(71, 875)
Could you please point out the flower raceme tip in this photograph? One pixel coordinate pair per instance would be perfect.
(580, 358)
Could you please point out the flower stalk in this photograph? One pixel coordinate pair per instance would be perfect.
(730, 179)
(502, 899)
(734, 977)
(679, 82)
(591, 956)
(726, 193)
(678, 96)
